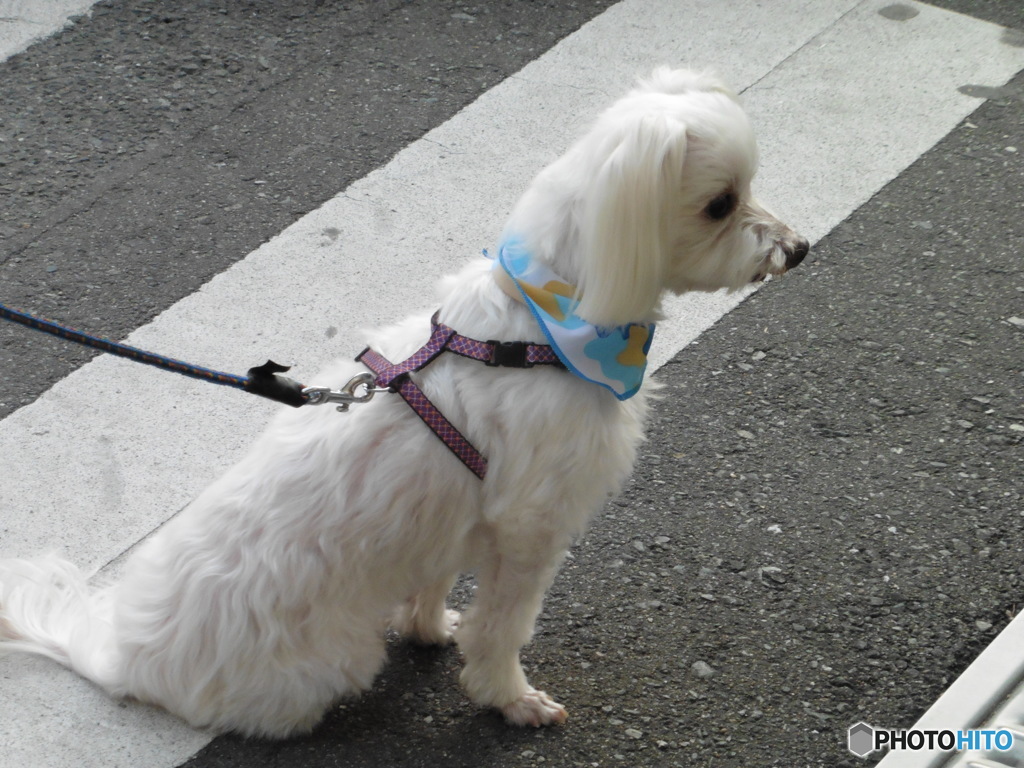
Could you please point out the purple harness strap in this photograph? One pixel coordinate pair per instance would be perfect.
(395, 376)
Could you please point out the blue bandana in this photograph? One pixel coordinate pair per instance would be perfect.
(615, 358)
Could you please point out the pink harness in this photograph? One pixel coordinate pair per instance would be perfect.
(395, 376)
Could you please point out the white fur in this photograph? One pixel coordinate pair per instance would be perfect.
(266, 600)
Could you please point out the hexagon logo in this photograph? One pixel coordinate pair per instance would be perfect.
(860, 739)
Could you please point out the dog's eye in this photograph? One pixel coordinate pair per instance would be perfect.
(721, 206)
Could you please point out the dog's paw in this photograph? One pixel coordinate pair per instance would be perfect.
(535, 708)
(449, 624)
(439, 631)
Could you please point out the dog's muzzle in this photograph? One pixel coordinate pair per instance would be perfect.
(797, 253)
(792, 251)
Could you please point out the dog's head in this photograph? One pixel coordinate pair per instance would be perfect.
(664, 201)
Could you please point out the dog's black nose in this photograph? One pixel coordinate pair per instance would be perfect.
(797, 254)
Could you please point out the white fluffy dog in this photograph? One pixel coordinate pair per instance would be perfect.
(267, 599)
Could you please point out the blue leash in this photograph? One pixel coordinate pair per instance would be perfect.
(263, 380)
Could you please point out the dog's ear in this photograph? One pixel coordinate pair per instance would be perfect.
(625, 220)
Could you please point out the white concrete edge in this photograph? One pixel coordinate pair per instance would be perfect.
(972, 700)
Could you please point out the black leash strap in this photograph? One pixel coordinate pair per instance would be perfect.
(263, 380)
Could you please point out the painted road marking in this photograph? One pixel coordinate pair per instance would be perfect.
(23, 22)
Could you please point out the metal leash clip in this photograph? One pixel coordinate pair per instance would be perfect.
(346, 395)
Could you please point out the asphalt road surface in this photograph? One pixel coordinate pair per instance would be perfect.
(825, 525)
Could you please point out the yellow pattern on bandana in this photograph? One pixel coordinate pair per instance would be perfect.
(545, 296)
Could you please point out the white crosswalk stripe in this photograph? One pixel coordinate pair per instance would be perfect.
(22, 22)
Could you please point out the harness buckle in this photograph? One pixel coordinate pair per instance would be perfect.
(508, 354)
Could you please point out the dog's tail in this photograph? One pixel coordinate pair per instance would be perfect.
(46, 608)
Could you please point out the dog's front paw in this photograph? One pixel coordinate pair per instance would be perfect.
(535, 708)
